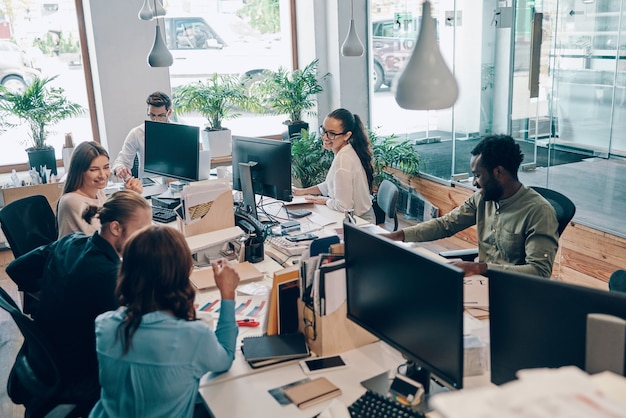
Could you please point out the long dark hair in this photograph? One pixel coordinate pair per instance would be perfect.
(154, 276)
(82, 157)
(360, 140)
(121, 206)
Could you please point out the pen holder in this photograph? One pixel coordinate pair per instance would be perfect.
(333, 333)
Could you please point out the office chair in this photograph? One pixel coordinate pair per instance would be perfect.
(27, 224)
(34, 380)
(387, 199)
(563, 206)
(322, 245)
(617, 281)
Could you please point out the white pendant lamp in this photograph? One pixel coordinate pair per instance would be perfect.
(352, 46)
(425, 82)
(159, 10)
(146, 11)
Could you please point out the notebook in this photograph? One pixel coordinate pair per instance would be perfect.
(310, 393)
(270, 349)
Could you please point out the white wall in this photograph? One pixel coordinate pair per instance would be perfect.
(119, 44)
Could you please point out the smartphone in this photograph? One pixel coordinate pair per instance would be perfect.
(301, 237)
(322, 364)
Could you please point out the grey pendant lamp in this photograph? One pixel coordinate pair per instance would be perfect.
(159, 56)
(352, 45)
(425, 82)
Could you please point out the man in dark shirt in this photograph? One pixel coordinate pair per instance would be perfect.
(78, 277)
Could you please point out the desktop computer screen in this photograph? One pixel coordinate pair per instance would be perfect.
(536, 322)
(173, 150)
(268, 162)
(410, 301)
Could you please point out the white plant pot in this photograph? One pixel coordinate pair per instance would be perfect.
(219, 142)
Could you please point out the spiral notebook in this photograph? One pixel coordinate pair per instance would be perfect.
(270, 349)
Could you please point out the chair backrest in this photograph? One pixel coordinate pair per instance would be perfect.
(28, 223)
(564, 207)
(617, 281)
(322, 245)
(387, 199)
(35, 373)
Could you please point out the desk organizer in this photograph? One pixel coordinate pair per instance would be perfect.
(335, 333)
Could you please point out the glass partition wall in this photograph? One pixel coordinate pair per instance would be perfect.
(548, 73)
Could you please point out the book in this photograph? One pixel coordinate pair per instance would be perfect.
(281, 276)
(288, 294)
(310, 393)
(271, 349)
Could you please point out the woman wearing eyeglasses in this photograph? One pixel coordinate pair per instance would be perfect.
(348, 183)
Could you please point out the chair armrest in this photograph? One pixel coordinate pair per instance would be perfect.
(468, 254)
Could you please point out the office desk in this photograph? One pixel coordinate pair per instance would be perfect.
(238, 394)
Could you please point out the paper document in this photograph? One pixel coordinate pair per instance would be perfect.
(198, 199)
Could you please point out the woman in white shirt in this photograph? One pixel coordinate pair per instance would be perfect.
(87, 177)
(348, 183)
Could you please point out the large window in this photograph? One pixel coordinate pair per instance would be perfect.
(42, 37)
(237, 37)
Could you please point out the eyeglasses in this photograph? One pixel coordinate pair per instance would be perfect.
(329, 134)
(308, 317)
(160, 116)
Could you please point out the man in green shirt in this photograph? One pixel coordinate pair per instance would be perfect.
(517, 228)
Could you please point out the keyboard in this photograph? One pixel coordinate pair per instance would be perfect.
(163, 215)
(287, 247)
(373, 405)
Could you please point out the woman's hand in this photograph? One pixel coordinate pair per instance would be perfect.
(296, 191)
(134, 185)
(318, 200)
(226, 278)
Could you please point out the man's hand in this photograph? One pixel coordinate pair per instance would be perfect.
(226, 278)
(470, 268)
(396, 235)
(123, 173)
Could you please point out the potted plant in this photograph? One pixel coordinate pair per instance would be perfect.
(39, 105)
(292, 93)
(217, 99)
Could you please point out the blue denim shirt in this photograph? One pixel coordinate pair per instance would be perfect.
(160, 374)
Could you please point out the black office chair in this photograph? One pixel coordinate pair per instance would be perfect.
(387, 200)
(322, 245)
(27, 224)
(35, 380)
(563, 206)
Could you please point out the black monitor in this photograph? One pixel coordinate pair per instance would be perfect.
(537, 322)
(410, 301)
(172, 150)
(268, 162)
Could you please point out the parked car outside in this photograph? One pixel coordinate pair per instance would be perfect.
(16, 68)
(392, 43)
(200, 48)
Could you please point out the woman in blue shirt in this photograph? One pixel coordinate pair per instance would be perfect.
(152, 352)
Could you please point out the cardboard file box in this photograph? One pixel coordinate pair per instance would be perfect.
(335, 333)
(52, 192)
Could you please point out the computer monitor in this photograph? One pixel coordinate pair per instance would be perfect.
(412, 302)
(261, 166)
(536, 322)
(173, 150)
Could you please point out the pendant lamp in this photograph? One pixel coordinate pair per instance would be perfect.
(425, 82)
(159, 56)
(352, 46)
(159, 10)
(146, 11)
